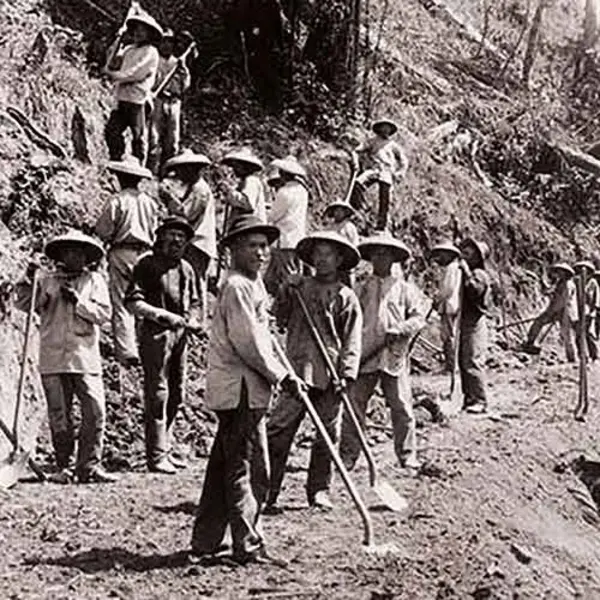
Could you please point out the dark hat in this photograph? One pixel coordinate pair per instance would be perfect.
(175, 222)
(350, 254)
(481, 247)
(382, 123)
(384, 239)
(89, 245)
(345, 206)
(249, 223)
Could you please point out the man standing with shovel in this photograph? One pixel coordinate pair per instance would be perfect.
(242, 370)
(393, 315)
(72, 302)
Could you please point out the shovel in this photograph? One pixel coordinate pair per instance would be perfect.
(360, 505)
(15, 467)
(583, 399)
(386, 493)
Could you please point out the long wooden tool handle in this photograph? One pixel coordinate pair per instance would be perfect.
(314, 415)
(335, 378)
(23, 365)
(165, 82)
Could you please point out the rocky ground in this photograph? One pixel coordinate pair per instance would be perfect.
(496, 512)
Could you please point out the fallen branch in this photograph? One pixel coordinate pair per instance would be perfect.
(579, 159)
(36, 135)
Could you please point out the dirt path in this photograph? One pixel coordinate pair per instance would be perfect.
(489, 518)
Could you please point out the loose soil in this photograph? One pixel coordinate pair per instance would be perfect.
(493, 514)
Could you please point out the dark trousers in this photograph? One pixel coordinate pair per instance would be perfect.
(163, 359)
(235, 482)
(281, 429)
(359, 196)
(471, 359)
(126, 116)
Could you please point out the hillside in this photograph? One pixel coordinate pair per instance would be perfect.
(489, 517)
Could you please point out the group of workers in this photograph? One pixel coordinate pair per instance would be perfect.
(160, 249)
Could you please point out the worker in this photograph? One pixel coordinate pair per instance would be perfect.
(340, 216)
(381, 160)
(447, 302)
(288, 214)
(165, 127)
(473, 340)
(242, 371)
(336, 310)
(392, 315)
(164, 297)
(584, 269)
(186, 193)
(133, 69)
(126, 224)
(562, 308)
(250, 195)
(73, 303)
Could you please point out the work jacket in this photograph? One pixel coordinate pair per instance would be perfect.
(128, 219)
(240, 350)
(249, 198)
(198, 206)
(477, 296)
(69, 332)
(180, 81)
(288, 213)
(390, 305)
(135, 78)
(449, 295)
(336, 311)
(386, 156)
(157, 286)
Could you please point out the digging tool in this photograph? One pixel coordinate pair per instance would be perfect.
(516, 323)
(360, 505)
(582, 401)
(221, 256)
(133, 10)
(382, 488)
(169, 76)
(13, 470)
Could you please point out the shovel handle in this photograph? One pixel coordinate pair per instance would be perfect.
(23, 365)
(335, 378)
(314, 415)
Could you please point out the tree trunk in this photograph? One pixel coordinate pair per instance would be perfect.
(532, 41)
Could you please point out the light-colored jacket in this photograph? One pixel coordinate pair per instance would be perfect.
(135, 78)
(336, 312)
(249, 198)
(130, 217)
(384, 155)
(69, 333)
(180, 81)
(449, 294)
(288, 213)
(390, 305)
(198, 206)
(240, 347)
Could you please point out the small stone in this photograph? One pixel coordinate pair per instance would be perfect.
(522, 554)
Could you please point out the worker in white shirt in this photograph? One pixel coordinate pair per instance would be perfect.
(288, 214)
(133, 69)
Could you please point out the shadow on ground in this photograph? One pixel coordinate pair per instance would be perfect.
(98, 560)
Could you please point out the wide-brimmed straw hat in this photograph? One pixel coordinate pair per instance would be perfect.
(584, 264)
(74, 237)
(350, 255)
(175, 222)
(141, 16)
(564, 268)
(188, 157)
(384, 239)
(376, 127)
(245, 224)
(350, 210)
(290, 165)
(483, 250)
(445, 248)
(129, 165)
(245, 156)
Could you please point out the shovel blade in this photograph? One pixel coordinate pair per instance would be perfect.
(390, 497)
(13, 469)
